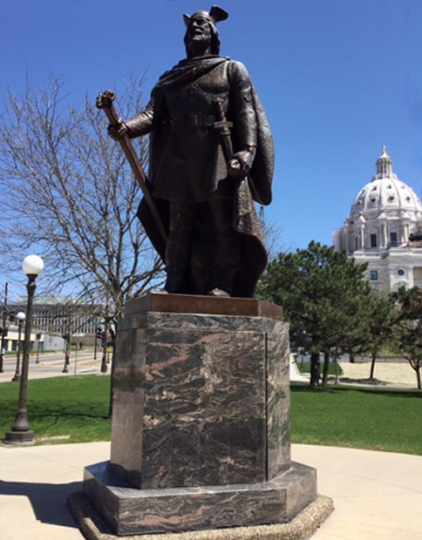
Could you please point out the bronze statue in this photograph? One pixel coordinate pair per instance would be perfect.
(211, 155)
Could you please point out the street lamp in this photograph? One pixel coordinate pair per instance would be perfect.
(66, 338)
(39, 336)
(4, 328)
(105, 337)
(21, 317)
(20, 433)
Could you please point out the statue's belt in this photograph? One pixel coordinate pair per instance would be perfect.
(197, 120)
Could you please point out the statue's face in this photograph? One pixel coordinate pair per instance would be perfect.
(199, 31)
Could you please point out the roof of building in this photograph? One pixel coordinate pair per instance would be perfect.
(386, 194)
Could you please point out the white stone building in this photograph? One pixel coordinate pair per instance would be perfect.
(384, 229)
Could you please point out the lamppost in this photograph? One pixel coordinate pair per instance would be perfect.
(66, 338)
(105, 339)
(21, 317)
(39, 336)
(20, 433)
(4, 328)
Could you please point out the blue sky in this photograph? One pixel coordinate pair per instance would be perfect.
(338, 79)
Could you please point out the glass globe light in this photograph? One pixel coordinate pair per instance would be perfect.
(32, 265)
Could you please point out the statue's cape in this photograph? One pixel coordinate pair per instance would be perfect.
(256, 187)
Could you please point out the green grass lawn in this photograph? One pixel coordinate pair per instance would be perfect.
(334, 369)
(372, 418)
(74, 407)
(357, 417)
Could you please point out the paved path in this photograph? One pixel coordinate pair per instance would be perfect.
(376, 495)
(394, 374)
(51, 365)
(399, 373)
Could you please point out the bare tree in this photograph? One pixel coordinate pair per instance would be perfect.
(67, 193)
(272, 233)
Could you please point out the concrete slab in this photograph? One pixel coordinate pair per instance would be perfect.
(377, 495)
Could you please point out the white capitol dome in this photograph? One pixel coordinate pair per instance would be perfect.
(384, 230)
(386, 194)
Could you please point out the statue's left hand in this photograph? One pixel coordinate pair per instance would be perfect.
(241, 163)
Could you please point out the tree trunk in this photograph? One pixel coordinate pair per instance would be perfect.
(326, 368)
(374, 357)
(416, 365)
(315, 374)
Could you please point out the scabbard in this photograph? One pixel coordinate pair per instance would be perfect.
(222, 125)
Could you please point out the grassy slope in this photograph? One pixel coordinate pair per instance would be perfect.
(76, 407)
(372, 418)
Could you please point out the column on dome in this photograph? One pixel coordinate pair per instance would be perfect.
(362, 236)
(337, 240)
(406, 232)
(383, 240)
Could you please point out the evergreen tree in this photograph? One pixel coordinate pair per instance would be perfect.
(381, 320)
(326, 300)
(408, 331)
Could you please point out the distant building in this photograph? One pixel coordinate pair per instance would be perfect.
(384, 229)
(60, 316)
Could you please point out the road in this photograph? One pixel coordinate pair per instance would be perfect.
(52, 364)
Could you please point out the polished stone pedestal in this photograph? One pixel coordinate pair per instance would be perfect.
(137, 511)
(201, 419)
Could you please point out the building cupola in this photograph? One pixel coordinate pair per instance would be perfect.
(384, 165)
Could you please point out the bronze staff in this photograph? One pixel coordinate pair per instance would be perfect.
(105, 101)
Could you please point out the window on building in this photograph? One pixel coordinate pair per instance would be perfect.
(393, 239)
(373, 239)
(373, 275)
(400, 272)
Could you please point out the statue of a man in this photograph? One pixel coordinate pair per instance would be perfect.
(211, 155)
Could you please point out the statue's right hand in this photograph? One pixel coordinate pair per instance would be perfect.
(118, 131)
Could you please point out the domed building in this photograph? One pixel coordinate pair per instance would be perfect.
(384, 229)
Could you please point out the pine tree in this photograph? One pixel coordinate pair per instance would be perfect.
(325, 297)
(408, 331)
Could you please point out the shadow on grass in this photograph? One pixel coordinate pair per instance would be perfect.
(47, 500)
(63, 412)
(297, 387)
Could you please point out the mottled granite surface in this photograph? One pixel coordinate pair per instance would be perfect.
(128, 510)
(201, 421)
(301, 527)
(200, 400)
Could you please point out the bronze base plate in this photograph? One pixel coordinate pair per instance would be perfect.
(208, 305)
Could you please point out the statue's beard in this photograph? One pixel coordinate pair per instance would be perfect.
(198, 44)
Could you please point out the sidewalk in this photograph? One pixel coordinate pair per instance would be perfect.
(392, 375)
(376, 495)
(51, 365)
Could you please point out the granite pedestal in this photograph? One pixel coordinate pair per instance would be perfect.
(201, 419)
